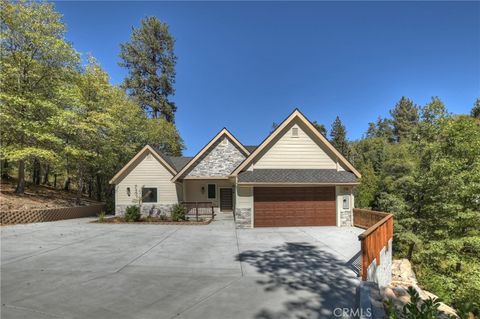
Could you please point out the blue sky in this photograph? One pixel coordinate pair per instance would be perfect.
(244, 65)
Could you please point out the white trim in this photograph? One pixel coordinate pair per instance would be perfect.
(337, 210)
(253, 208)
(223, 132)
(294, 115)
(147, 148)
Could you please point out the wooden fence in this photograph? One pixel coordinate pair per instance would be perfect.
(199, 210)
(379, 230)
(48, 214)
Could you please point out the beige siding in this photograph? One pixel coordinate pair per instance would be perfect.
(149, 172)
(193, 190)
(300, 152)
(244, 197)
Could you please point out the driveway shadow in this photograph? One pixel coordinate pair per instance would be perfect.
(317, 280)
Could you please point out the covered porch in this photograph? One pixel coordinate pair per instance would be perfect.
(209, 195)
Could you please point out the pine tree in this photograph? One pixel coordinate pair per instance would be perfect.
(338, 137)
(405, 118)
(476, 109)
(150, 60)
(320, 127)
(382, 128)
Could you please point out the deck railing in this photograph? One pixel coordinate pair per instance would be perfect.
(379, 230)
(199, 210)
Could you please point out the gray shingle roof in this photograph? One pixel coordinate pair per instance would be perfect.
(296, 176)
(179, 161)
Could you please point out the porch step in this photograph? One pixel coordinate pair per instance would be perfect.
(224, 216)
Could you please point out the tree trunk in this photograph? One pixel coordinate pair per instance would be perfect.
(99, 188)
(45, 175)
(5, 169)
(90, 187)
(66, 184)
(21, 178)
(36, 172)
(79, 189)
(55, 180)
(410, 251)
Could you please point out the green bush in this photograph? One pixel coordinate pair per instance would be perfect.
(132, 214)
(101, 217)
(178, 212)
(424, 309)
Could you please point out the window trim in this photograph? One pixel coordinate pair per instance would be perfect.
(158, 194)
(295, 132)
(216, 188)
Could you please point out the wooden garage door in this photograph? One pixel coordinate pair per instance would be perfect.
(294, 206)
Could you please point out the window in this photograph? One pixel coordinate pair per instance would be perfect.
(346, 202)
(295, 131)
(149, 194)
(212, 191)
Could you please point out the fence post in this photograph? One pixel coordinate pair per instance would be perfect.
(213, 213)
(196, 210)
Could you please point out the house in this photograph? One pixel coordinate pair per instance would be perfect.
(295, 177)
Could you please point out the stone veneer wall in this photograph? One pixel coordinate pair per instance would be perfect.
(346, 218)
(382, 274)
(243, 217)
(220, 161)
(154, 210)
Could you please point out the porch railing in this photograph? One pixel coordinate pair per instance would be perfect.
(379, 231)
(199, 210)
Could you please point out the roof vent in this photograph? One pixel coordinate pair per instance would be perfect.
(294, 131)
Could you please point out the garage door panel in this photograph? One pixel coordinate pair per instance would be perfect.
(294, 206)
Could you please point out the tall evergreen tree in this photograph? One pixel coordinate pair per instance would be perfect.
(382, 128)
(405, 118)
(150, 59)
(476, 109)
(338, 137)
(320, 127)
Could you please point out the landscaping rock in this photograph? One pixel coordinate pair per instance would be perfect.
(400, 291)
(402, 271)
(404, 277)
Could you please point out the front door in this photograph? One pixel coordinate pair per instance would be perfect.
(226, 199)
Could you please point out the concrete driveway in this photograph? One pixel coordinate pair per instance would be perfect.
(76, 269)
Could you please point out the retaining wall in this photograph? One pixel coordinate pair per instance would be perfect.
(48, 214)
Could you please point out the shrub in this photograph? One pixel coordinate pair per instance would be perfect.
(424, 309)
(101, 217)
(132, 214)
(178, 212)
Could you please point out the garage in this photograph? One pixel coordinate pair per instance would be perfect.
(294, 206)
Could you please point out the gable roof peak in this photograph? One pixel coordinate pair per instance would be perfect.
(296, 114)
(222, 132)
(162, 158)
